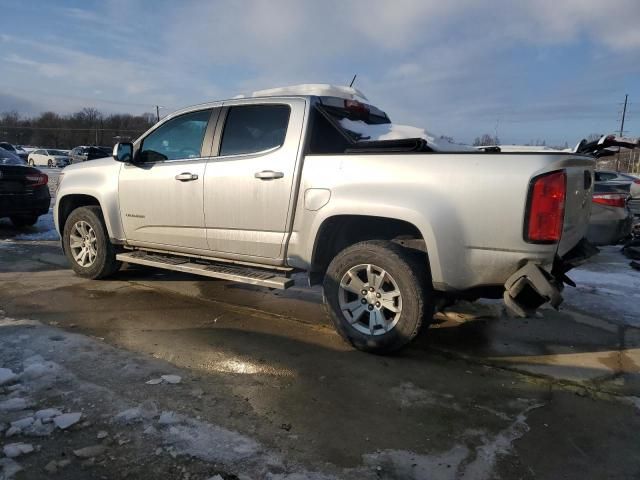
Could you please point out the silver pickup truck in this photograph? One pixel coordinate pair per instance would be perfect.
(391, 221)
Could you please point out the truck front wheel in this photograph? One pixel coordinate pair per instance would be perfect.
(378, 296)
(87, 245)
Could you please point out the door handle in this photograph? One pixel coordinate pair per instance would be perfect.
(186, 177)
(268, 175)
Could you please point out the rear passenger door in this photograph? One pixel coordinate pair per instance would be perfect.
(249, 184)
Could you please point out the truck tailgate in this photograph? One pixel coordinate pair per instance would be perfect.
(578, 201)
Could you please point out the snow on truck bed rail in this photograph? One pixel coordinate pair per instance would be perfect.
(394, 131)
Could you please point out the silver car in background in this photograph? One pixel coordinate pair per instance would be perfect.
(611, 220)
(625, 182)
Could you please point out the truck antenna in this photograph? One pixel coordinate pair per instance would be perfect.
(353, 80)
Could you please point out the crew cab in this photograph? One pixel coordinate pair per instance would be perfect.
(313, 178)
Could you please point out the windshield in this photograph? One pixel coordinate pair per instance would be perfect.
(100, 151)
(7, 146)
(8, 158)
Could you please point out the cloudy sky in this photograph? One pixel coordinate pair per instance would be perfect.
(549, 69)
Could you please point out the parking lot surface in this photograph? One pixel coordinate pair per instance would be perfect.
(260, 386)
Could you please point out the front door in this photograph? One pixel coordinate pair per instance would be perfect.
(161, 194)
(248, 186)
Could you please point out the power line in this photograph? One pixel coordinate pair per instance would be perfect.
(73, 129)
(11, 89)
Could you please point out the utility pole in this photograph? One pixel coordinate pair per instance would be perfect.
(158, 113)
(624, 113)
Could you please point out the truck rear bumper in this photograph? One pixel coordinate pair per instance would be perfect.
(531, 287)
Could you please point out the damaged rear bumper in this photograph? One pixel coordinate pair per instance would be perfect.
(531, 286)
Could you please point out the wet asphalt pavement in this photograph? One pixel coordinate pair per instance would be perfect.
(479, 395)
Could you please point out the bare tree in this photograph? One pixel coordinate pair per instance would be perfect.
(486, 139)
(86, 127)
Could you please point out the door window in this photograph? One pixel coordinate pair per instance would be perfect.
(179, 138)
(254, 128)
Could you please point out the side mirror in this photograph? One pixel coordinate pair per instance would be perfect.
(123, 152)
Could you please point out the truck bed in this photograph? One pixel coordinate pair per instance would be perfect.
(469, 207)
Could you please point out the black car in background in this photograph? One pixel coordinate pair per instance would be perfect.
(24, 193)
(83, 153)
(15, 149)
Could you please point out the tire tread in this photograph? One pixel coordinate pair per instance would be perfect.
(107, 265)
(415, 271)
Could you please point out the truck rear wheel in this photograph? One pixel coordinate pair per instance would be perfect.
(87, 245)
(378, 296)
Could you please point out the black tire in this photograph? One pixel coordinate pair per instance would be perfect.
(105, 263)
(31, 162)
(411, 274)
(24, 220)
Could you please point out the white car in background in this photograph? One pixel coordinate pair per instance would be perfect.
(49, 158)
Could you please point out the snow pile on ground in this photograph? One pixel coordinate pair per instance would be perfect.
(41, 369)
(212, 443)
(6, 376)
(44, 229)
(607, 287)
(171, 379)
(393, 131)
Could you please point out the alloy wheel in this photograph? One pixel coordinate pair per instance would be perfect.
(370, 299)
(83, 244)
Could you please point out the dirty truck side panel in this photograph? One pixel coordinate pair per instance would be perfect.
(469, 208)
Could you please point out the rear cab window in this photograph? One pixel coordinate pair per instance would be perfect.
(329, 134)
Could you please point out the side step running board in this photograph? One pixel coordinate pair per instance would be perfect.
(253, 276)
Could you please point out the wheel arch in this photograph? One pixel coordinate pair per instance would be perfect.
(71, 202)
(337, 232)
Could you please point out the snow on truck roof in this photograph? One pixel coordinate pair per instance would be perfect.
(385, 131)
(316, 89)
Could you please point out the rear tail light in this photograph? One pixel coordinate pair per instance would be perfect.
(37, 179)
(611, 199)
(637, 182)
(545, 212)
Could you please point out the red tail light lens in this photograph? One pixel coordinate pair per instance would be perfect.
(637, 182)
(37, 179)
(546, 208)
(610, 199)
